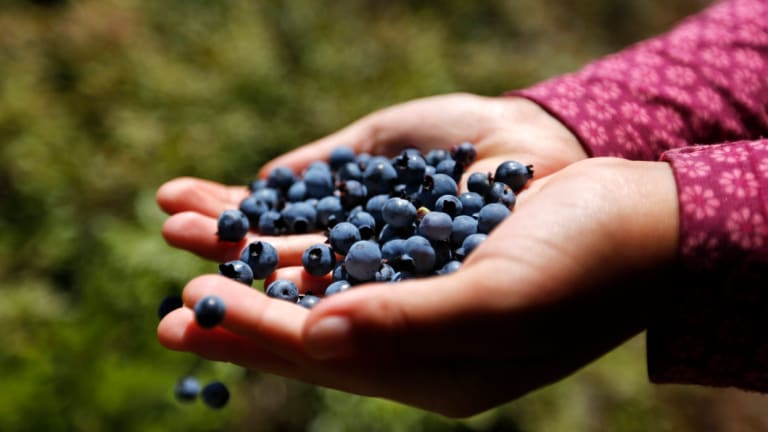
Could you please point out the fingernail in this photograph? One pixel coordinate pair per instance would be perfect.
(330, 337)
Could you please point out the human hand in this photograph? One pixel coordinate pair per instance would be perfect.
(563, 280)
(501, 128)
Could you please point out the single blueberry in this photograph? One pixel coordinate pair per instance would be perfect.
(233, 225)
(308, 301)
(284, 290)
(168, 305)
(514, 174)
(209, 311)
(342, 236)
(337, 287)
(187, 389)
(215, 395)
(318, 259)
(237, 270)
(363, 260)
(262, 257)
(490, 216)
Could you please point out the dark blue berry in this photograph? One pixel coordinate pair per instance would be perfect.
(233, 225)
(479, 183)
(436, 226)
(215, 395)
(318, 259)
(340, 156)
(399, 213)
(464, 153)
(262, 257)
(168, 305)
(308, 301)
(379, 176)
(283, 290)
(342, 236)
(337, 287)
(237, 270)
(491, 215)
(514, 174)
(435, 156)
(187, 389)
(209, 311)
(281, 178)
(363, 260)
(449, 204)
(463, 226)
(300, 217)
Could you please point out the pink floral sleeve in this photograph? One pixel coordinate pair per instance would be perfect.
(675, 97)
(704, 82)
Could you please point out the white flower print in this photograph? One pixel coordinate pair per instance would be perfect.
(669, 119)
(594, 133)
(677, 94)
(710, 99)
(729, 154)
(716, 56)
(600, 110)
(699, 243)
(565, 106)
(739, 183)
(606, 90)
(628, 137)
(680, 75)
(693, 168)
(634, 112)
(699, 202)
(746, 229)
(749, 58)
(570, 88)
(762, 167)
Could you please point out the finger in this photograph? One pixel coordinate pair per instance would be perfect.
(275, 325)
(179, 331)
(198, 195)
(431, 315)
(197, 234)
(306, 282)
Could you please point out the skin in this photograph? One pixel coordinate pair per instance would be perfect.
(563, 280)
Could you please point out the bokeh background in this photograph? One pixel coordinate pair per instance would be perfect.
(101, 101)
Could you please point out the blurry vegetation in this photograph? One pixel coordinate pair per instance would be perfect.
(101, 101)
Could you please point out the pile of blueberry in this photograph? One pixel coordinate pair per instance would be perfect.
(386, 219)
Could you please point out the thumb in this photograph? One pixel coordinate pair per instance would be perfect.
(436, 315)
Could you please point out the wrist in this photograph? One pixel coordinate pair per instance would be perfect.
(526, 118)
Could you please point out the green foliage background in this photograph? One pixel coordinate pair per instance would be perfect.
(101, 101)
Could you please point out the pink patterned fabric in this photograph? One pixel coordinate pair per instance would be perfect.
(697, 98)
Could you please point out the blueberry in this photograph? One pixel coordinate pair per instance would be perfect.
(514, 174)
(308, 301)
(363, 260)
(436, 226)
(379, 176)
(393, 249)
(399, 213)
(410, 169)
(501, 193)
(253, 207)
(421, 252)
(329, 211)
(449, 204)
(450, 267)
(284, 290)
(262, 257)
(233, 225)
(434, 187)
(337, 287)
(168, 305)
(342, 236)
(464, 153)
(340, 156)
(491, 215)
(209, 311)
(300, 217)
(470, 243)
(271, 223)
(187, 389)
(215, 395)
(365, 222)
(319, 183)
(349, 171)
(237, 270)
(450, 168)
(375, 205)
(435, 156)
(471, 203)
(352, 194)
(479, 183)
(385, 273)
(318, 259)
(462, 227)
(281, 178)
(297, 192)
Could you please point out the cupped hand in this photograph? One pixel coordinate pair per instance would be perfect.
(568, 276)
(501, 128)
